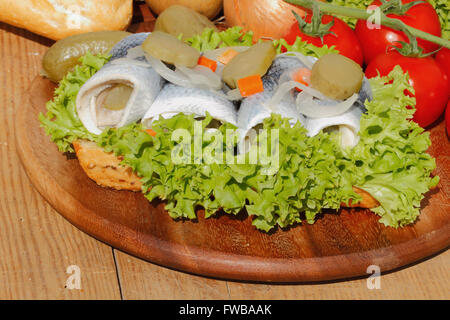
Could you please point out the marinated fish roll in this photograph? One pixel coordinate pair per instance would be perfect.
(118, 94)
(175, 99)
(120, 50)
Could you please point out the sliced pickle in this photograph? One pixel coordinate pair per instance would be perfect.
(254, 61)
(169, 49)
(65, 53)
(179, 20)
(116, 97)
(336, 76)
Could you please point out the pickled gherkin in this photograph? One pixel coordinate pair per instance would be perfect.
(336, 76)
(254, 61)
(179, 20)
(65, 53)
(167, 48)
(116, 97)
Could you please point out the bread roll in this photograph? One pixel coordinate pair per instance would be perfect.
(57, 19)
(105, 168)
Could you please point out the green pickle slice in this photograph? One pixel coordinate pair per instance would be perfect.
(65, 53)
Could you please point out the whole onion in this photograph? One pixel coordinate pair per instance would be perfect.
(266, 18)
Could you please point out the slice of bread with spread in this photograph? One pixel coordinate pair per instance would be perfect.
(105, 168)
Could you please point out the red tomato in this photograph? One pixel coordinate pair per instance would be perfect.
(375, 41)
(443, 59)
(428, 80)
(344, 38)
(447, 118)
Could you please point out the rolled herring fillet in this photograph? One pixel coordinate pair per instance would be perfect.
(145, 83)
(121, 48)
(255, 108)
(175, 99)
(347, 123)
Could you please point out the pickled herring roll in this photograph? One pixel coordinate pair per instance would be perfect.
(175, 99)
(117, 95)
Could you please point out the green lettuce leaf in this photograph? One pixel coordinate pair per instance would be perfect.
(393, 165)
(211, 39)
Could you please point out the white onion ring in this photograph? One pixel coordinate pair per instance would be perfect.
(308, 107)
(286, 87)
(135, 52)
(202, 76)
(168, 74)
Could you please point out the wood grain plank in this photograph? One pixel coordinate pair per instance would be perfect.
(36, 244)
(142, 280)
(426, 280)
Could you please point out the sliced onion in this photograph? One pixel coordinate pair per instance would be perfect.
(349, 138)
(307, 106)
(168, 74)
(307, 61)
(286, 87)
(202, 76)
(179, 78)
(135, 52)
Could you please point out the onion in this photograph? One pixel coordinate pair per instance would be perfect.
(307, 106)
(286, 87)
(266, 18)
(197, 77)
(168, 74)
(202, 76)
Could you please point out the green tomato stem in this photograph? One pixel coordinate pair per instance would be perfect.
(363, 15)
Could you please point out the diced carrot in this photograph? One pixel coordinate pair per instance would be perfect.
(203, 61)
(303, 76)
(151, 132)
(250, 85)
(227, 56)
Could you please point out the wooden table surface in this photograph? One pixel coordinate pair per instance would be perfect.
(37, 245)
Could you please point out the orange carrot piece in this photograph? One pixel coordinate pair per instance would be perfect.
(250, 85)
(211, 64)
(151, 132)
(303, 76)
(227, 56)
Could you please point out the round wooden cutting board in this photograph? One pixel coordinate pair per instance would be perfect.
(338, 245)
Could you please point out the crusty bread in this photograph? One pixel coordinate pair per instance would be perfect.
(105, 169)
(57, 19)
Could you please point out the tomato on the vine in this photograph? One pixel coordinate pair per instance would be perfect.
(426, 77)
(375, 41)
(443, 59)
(341, 36)
(447, 118)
